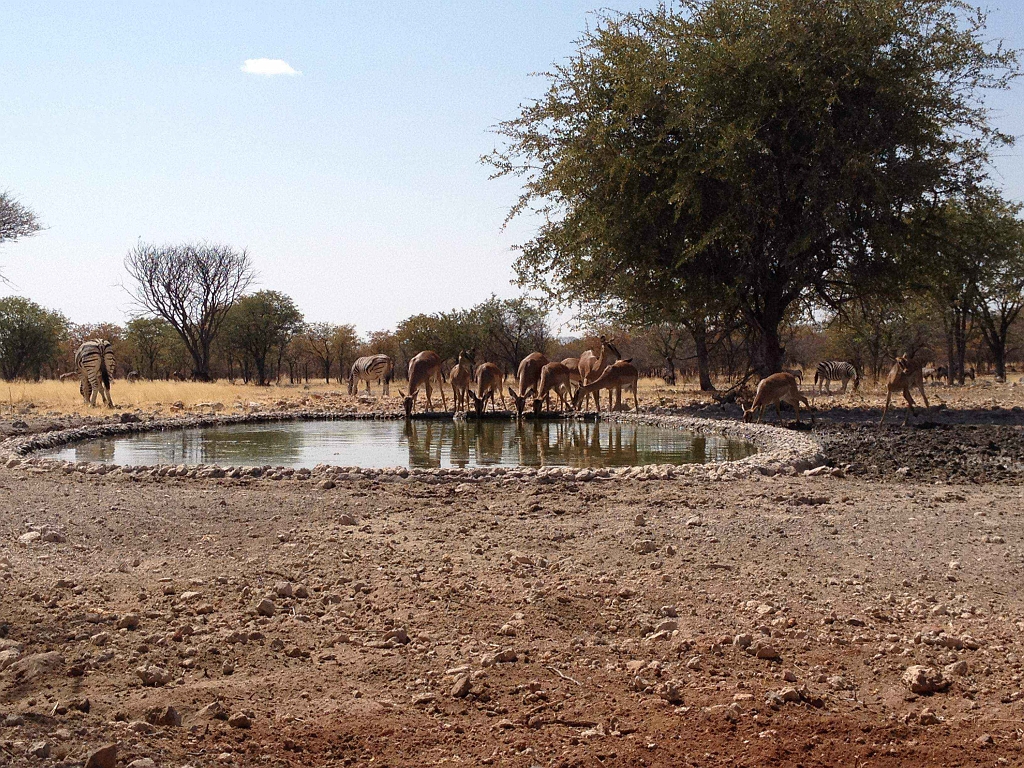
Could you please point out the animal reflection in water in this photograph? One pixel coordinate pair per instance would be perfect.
(533, 444)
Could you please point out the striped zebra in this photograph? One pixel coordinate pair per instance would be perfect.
(835, 370)
(95, 363)
(371, 368)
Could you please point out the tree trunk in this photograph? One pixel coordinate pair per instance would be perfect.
(700, 342)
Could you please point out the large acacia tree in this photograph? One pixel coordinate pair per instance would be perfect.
(755, 151)
(191, 286)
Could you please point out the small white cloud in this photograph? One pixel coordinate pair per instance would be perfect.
(268, 67)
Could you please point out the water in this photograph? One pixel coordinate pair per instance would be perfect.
(414, 444)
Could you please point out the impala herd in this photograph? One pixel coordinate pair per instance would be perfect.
(537, 379)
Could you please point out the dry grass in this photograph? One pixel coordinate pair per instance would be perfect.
(62, 397)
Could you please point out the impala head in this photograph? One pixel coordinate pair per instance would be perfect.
(407, 403)
(518, 401)
(610, 343)
(478, 402)
(903, 363)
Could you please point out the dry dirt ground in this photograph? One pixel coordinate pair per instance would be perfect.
(766, 622)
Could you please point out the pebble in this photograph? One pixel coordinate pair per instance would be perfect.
(926, 680)
(265, 607)
(151, 674)
(956, 669)
(104, 757)
(283, 589)
(165, 716)
(928, 717)
(128, 621)
(39, 749)
(142, 762)
(347, 519)
(506, 656)
(240, 720)
(461, 687)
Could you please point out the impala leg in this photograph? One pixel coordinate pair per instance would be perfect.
(923, 395)
(910, 404)
(636, 402)
(440, 386)
(888, 399)
(428, 389)
(502, 393)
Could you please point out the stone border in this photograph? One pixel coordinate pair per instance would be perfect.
(780, 451)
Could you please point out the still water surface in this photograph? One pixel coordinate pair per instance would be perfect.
(414, 444)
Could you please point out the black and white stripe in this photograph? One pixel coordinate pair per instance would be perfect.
(371, 368)
(95, 363)
(835, 370)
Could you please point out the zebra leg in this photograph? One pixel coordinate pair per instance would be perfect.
(84, 389)
(845, 382)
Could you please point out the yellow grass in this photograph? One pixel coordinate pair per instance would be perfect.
(62, 397)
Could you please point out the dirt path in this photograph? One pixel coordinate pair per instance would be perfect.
(614, 623)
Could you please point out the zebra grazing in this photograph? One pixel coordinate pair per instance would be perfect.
(835, 370)
(132, 376)
(371, 368)
(95, 363)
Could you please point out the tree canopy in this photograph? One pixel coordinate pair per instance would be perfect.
(191, 286)
(754, 151)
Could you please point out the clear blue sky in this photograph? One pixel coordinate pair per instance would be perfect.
(355, 184)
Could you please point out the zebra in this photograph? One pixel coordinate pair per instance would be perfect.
(371, 368)
(71, 375)
(95, 363)
(132, 376)
(835, 370)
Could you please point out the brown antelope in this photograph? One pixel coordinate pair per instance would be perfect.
(617, 376)
(905, 373)
(528, 376)
(573, 364)
(774, 390)
(488, 381)
(591, 366)
(553, 377)
(424, 371)
(461, 379)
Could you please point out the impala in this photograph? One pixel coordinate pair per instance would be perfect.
(488, 381)
(591, 366)
(774, 390)
(528, 376)
(617, 376)
(905, 373)
(424, 371)
(461, 378)
(553, 377)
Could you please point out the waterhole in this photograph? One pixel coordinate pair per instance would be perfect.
(415, 444)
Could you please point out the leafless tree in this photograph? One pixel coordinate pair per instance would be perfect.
(16, 220)
(191, 286)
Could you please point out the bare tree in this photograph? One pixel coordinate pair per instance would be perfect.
(191, 286)
(16, 220)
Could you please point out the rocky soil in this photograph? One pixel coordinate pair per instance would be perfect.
(780, 621)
